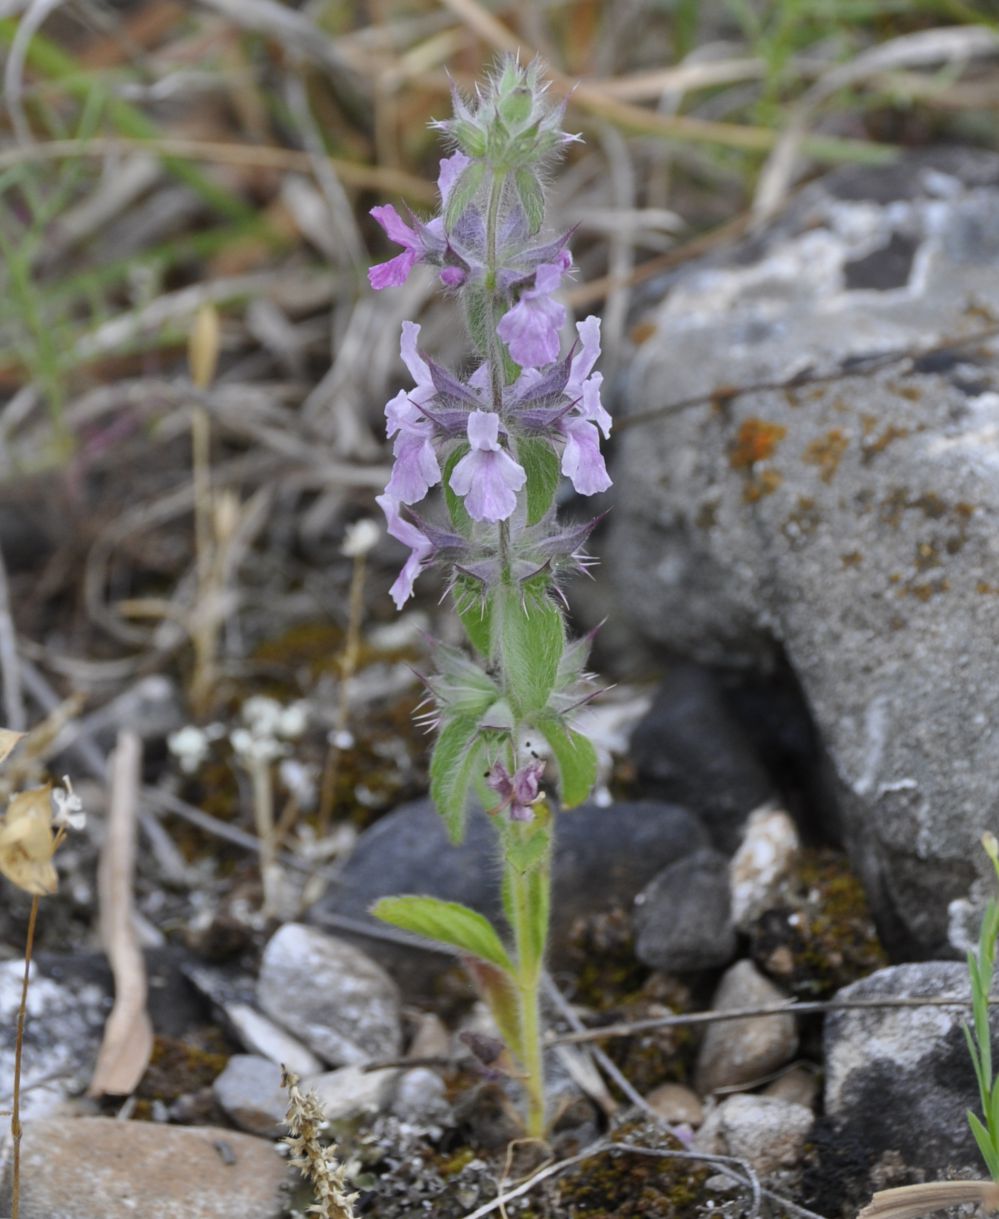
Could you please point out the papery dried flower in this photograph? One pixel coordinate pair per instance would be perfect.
(27, 842)
(317, 1163)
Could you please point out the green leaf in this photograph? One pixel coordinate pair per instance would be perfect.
(992, 1112)
(452, 769)
(531, 640)
(463, 192)
(448, 922)
(455, 504)
(576, 758)
(476, 614)
(529, 854)
(499, 990)
(976, 1062)
(532, 198)
(541, 466)
(989, 1153)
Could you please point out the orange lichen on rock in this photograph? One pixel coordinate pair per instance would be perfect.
(826, 452)
(757, 440)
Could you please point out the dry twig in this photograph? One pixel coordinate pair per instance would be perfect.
(128, 1034)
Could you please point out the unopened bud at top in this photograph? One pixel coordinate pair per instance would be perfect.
(511, 125)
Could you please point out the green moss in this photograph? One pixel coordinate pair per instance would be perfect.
(820, 935)
(602, 959)
(180, 1067)
(619, 1185)
(609, 979)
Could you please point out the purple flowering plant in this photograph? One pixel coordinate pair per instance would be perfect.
(496, 437)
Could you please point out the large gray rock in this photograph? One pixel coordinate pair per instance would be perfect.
(848, 521)
(899, 1080)
(690, 749)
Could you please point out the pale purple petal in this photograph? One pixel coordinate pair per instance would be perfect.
(451, 169)
(489, 480)
(498, 780)
(402, 413)
(531, 328)
(416, 468)
(590, 406)
(417, 365)
(525, 782)
(479, 380)
(453, 277)
(584, 359)
(518, 792)
(582, 461)
(396, 228)
(528, 378)
(394, 273)
(420, 547)
(483, 430)
(547, 278)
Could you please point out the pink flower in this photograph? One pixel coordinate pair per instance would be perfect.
(420, 548)
(416, 468)
(451, 169)
(395, 272)
(580, 385)
(517, 792)
(487, 477)
(531, 328)
(582, 461)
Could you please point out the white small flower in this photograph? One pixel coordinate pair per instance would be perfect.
(253, 748)
(359, 538)
(300, 780)
(262, 715)
(69, 812)
(293, 720)
(189, 745)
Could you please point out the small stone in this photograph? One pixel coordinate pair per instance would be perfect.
(764, 858)
(421, 1096)
(768, 1132)
(676, 1104)
(334, 997)
(431, 1039)
(798, 1085)
(742, 1050)
(261, 1035)
(351, 1091)
(100, 1168)
(249, 1090)
(682, 917)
